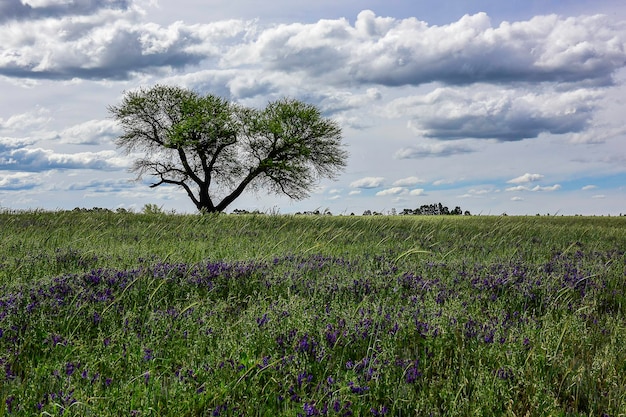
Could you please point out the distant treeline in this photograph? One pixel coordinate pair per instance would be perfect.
(424, 210)
(435, 210)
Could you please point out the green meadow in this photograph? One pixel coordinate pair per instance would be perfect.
(122, 314)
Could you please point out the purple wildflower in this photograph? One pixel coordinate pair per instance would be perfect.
(504, 373)
(70, 367)
(331, 335)
(310, 410)
(337, 406)
(147, 354)
(412, 373)
(219, 409)
(261, 321)
(379, 412)
(307, 344)
(8, 372)
(355, 389)
(303, 377)
(57, 339)
(9, 403)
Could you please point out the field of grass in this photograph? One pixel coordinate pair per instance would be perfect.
(105, 314)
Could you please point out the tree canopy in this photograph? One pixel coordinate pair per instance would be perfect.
(215, 149)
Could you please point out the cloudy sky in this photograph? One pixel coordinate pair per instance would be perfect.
(494, 106)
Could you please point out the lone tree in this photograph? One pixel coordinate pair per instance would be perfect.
(215, 149)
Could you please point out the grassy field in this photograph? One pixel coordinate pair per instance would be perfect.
(105, 314)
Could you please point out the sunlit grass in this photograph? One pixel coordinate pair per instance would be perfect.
(128, 314)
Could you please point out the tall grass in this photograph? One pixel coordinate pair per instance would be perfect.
(128, 314)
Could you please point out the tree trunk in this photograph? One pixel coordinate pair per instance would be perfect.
(205, 204)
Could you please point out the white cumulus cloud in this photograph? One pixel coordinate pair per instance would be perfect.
(441, 149)
(92, 132)
(112, 43)
(526, 178)
(554, 187)
(417, 192)
(39, 159)
(367, 182)
(494, 112)
(19, 181)
(392, 191)
(548, 188)
(408, 181)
